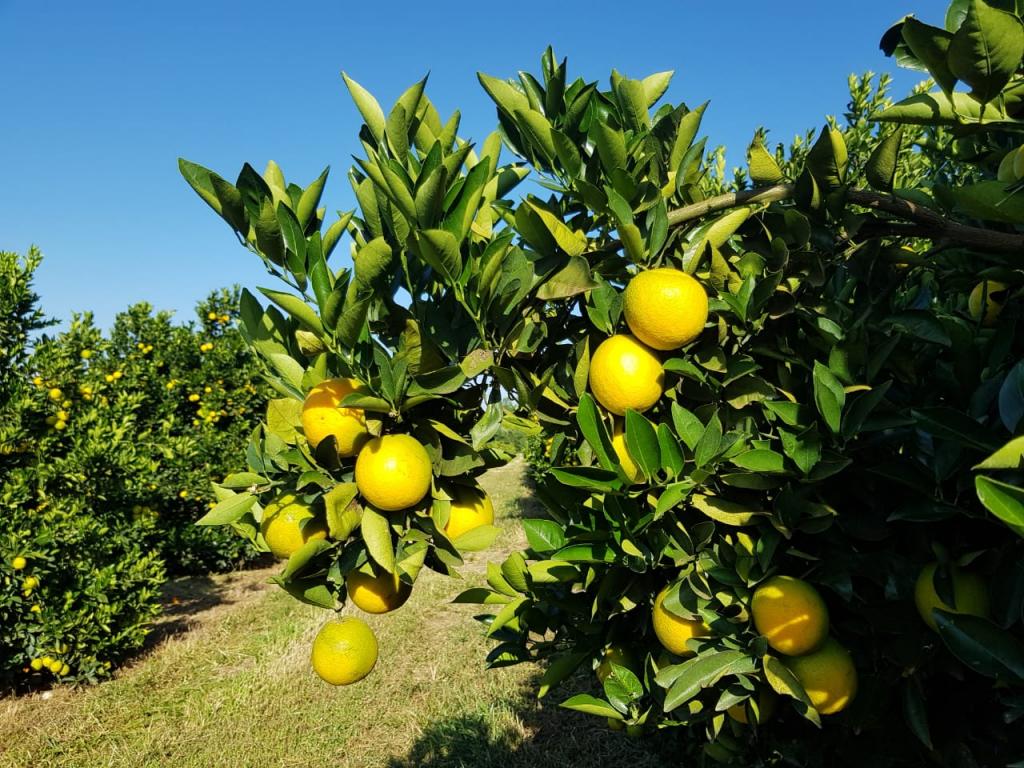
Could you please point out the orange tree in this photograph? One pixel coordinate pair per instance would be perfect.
(107, 448)
(765, 403)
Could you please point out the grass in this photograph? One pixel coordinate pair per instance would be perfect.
(227, 683)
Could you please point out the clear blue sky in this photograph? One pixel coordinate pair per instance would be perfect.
(100, 98)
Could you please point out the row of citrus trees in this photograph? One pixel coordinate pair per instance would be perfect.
(108, 444)
(781, 413)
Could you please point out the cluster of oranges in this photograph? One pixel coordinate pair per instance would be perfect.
(665, 310)
(206, 346)
(213, 317)
(393, 473)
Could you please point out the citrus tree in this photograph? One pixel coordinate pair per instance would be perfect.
(107, 448)
(764, 397)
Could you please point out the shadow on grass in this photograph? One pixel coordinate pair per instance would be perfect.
(183, 598)
(532, 734)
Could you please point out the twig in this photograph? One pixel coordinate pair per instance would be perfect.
(930, 225)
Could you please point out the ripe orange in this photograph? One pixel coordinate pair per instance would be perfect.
(344, 651)
(625, 374)
(665, 308)
(790, 614)
(322, 418)
(288, 524)
(969, 593)
(377, 594)
(470, 509)
(674, 631)
(827, 675)
(393, 472)
(986, 302)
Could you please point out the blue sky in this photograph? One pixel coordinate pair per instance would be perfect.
(100, 99)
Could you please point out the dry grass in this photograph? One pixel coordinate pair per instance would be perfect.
(229, 684)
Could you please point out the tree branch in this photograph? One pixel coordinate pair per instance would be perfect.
(929, 224)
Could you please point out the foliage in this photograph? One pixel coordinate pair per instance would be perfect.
(105, 463)
(824, 425)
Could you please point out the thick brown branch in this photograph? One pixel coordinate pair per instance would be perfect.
(930, 225)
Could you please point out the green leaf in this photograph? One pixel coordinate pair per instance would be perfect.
(611, 145)
(301, 557)
(881, 166)
(476, 539)
(989, 201)
(761, 460)
(632, 98)
(725, 511)
(571, 280)
(642, 443)
(1010, 456)
(377, 535)
(987, 49)
(508, 98)
(558, 669)
(535, 126)
(704, 671)
(804, 448)
(672, 459)
(229, 510)
(573, 243)
(953, 424)
(784, 682)
(310, 199)
(763, 168)
(930, 45)
(827, 158)
(584, 702)
(938, 109)
(688, 127)
(1003, 500)
(543, 535)
(982, 646)
(368, 107)
(440, 250)
(710, 441)
(487, 427)
(591, 478)
(1011, 398)
(343, 516)
(201, 180)
(687, 426)
(592, 425)
(829, 396)
(655, 86)
(915, 711)
(295, 307)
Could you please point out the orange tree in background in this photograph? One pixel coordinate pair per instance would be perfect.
(780, 412)
(107, 448)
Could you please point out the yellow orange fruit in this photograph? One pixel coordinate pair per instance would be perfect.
(790, 613)
(629, 466)
(986, 302)
(969, 593)
(827, 675)
(674, 631)
(322, 417)
(470, 509)
(344, 651)
(624, 374)
(18, 563)
(288, 524)
(665, 308)
(393, 472)
(377, 594)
